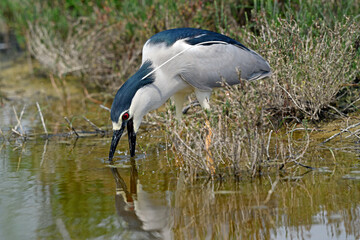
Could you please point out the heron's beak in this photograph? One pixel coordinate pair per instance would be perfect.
(132, 137)
(114, 142)
(116, 138)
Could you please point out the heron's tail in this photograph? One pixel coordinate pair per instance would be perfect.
(260, 75)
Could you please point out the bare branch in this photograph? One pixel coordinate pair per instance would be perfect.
(92, 124)
(42, 118)
(18, 122)
(71, 126)
(106, 108)
(342, 131)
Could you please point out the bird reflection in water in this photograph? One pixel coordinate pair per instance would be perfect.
(145, 215)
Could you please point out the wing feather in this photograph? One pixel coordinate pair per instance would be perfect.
(206, 64)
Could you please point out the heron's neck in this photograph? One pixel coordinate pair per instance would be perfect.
(152, 96)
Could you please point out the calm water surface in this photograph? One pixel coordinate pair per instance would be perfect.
(63, 188)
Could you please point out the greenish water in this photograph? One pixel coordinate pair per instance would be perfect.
(63, 188)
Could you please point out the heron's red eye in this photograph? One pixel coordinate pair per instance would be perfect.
(125, 116)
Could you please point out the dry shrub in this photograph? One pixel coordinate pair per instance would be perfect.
(100, 53)
(61, 56)
(309, 70)
(106, 51)
(242, 139)
(310, 66)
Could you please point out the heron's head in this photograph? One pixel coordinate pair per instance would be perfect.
(124, 111)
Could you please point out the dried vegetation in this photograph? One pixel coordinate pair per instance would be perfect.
(92, 51)
(311, 65)
(309, 71)
(312, 47)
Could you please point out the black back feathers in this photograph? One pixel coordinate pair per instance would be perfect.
(193, 36)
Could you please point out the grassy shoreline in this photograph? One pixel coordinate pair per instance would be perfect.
(313, 48)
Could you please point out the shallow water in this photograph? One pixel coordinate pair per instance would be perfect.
(63, 188)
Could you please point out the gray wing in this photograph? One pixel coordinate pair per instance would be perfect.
(206, 66)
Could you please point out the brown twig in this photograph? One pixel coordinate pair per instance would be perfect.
(91, 99)
(53, 83)
(209, 158)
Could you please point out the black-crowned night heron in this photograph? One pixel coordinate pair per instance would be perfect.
(175, 63)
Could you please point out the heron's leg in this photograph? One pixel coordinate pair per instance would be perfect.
(179, 99)
(203, 97)
(209, 158)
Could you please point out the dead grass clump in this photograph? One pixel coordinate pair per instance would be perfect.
(242, 140)
(97, 52)
(309, 70)
(310, 66)
(105, 48)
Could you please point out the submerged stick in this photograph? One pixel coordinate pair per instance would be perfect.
(62, 229)
(72, 128)
(44, 152)
(42, 118)
(20, 157)
(16, 132)
(303, 165)
(18, 119)
(92, 124)
(271, 191)
(53, 83)
(342, 131)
